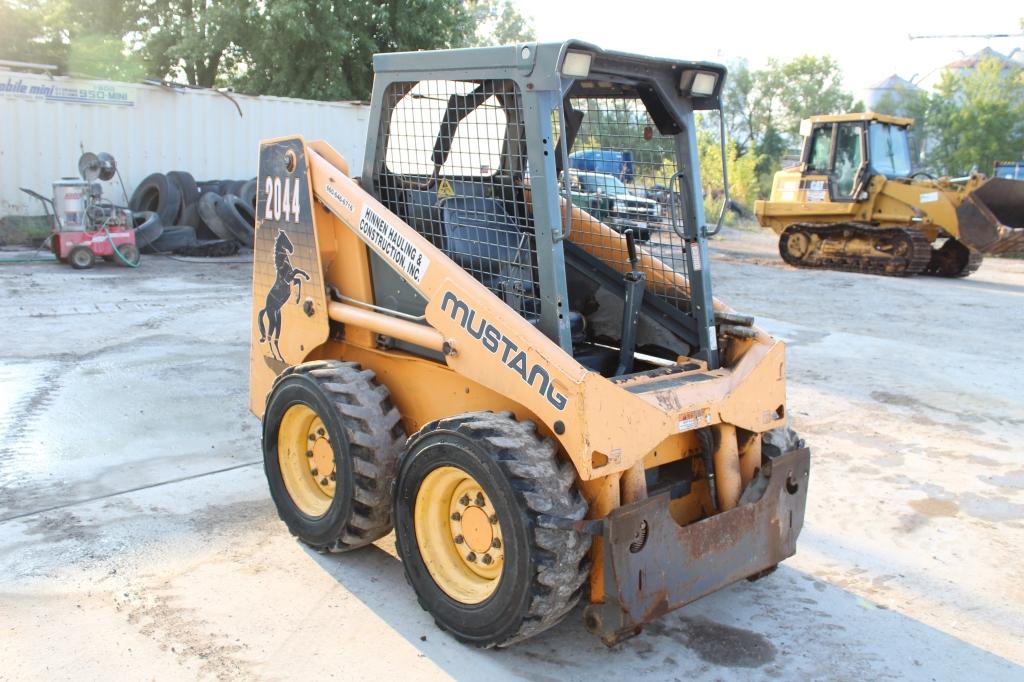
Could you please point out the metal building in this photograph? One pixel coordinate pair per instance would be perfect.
(47, 122)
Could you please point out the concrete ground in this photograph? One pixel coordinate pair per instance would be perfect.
(138, 540)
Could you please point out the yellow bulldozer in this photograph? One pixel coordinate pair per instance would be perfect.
(544, 410)
(854, 203)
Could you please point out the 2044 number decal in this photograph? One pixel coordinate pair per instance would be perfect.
(282, 199)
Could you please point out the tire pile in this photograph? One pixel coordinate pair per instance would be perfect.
(175, 214)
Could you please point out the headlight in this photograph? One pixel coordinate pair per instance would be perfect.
(698, 83)
(576, 64)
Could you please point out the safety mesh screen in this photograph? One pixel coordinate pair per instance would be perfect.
(621, 171)
(452, 166)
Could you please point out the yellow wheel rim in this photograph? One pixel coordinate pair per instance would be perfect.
(306, 460)
(458, 535)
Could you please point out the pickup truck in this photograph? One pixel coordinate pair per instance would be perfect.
(606, 198)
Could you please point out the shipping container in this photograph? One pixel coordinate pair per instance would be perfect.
(47, 122)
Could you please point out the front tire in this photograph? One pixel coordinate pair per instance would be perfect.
(494, 583)
(81, 257)
(331, 437)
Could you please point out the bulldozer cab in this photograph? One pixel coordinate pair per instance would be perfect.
(842, 153)
(483, 159)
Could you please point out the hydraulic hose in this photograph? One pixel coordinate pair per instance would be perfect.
(117, 252)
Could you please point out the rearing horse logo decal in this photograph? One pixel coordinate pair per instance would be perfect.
(269, 319)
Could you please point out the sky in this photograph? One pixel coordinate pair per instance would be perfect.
(868, 39)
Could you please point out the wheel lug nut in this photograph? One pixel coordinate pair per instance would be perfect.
(459, 540)
(456, 516)
(312, 436)
(494, 519)
(464, 500)
(309, 453)
(314, 471)
(320, 432)
(487, 559)
(333, 476)
(323, 481)
(471, 556)
(479, 499)
(496, 543)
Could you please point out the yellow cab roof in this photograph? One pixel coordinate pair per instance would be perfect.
(866, 116)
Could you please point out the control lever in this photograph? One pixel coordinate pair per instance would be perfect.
(634, 285)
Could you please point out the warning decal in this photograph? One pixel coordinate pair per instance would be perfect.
(390, 243)
(444, 190)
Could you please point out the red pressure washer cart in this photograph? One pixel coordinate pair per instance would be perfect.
(86, 226)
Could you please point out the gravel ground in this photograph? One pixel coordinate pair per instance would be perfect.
(138, 540)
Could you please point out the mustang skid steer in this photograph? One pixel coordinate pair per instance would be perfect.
(540, 408)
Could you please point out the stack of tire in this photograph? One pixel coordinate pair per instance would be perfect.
(175, 214)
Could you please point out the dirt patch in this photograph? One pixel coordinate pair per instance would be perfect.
(935, 508)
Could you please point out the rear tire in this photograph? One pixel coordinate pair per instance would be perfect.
(130, 253)
(543, 568)
(331, 414)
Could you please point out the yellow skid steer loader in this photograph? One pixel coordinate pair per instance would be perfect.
(449, 344)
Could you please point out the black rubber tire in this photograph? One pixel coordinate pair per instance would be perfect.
(366, 433)
(239, 219)
(210, 216)
(234, 187)
(190, 215)
(208, 186)
(148, 228)
(157, 193)
(130, 253)
(529, 486)
(211, 248)
(186, 184)
(189, 197)
(81, 257)
(175, 238)
(248, 194)
(953, 260)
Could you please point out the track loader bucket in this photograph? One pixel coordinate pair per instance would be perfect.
(992, 218)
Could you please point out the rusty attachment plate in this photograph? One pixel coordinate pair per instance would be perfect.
(653, 565)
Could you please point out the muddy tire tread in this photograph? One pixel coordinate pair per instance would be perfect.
(375, 435)
(544, 486)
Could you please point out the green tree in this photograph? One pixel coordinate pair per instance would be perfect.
(323, 50)
(319, 49)
(78, 38)
(191, 41)
(976, 118)
(28, 36)
(498, 22)
(763, 107)
(809, 86)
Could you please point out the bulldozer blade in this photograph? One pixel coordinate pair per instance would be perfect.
(992, 218)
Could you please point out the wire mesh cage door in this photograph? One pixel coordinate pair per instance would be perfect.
(451, 164)
(621, 172)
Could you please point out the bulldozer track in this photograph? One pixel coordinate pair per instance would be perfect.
(876, 262)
